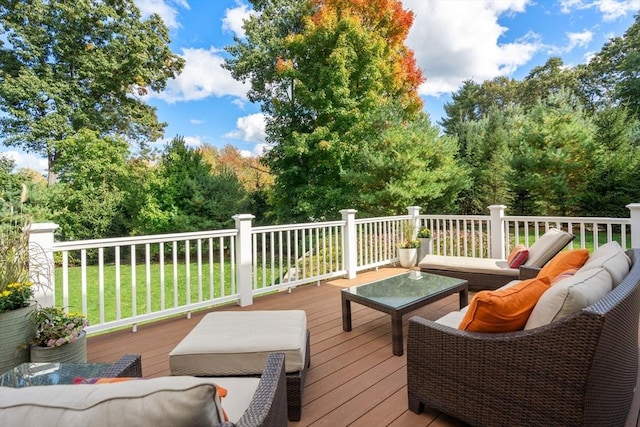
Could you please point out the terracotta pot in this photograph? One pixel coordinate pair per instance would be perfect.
(75, 352)
(16, 329)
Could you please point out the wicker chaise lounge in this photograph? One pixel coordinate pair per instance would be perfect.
(578, 370)
(490, 273)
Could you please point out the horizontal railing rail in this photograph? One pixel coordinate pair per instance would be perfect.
(124, 281)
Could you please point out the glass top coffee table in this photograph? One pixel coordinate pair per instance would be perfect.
(31, 374)
(399, 295)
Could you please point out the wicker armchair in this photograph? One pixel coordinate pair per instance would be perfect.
(268, 408)
(580, 370)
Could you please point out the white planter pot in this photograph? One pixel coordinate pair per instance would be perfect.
(426, 247)
(408, 257)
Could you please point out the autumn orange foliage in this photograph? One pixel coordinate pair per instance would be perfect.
(386, 19)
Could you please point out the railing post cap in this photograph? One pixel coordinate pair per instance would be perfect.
(243, 216)
(348, 211)
(43, 227)
(633, 206)
(497, 207)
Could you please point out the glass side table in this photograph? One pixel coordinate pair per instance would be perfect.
(33, 374)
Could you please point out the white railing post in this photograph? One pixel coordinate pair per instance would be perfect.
(244, 257)
(41, 265)
(349, 242)
(414, 212)
(634, 209)
(497, 231)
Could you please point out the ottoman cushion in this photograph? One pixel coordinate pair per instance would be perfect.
(232, 343)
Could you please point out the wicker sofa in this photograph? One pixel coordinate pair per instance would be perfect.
(578, 370)
(157, 402)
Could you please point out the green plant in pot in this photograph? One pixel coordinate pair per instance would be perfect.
(424, 233)
(59, 337)
(16, 294)
(426, 242)
(408, 246)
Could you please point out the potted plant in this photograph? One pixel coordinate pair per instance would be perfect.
(408, 247)
(426, 242)
(16, 293)
(60, 336)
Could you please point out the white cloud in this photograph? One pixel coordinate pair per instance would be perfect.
(455, 41)
(234, 18)
(202, 77)
(610, 9)
(192, 141)
(250, 128)
(196, 121)
(26, 160)
(165, 8)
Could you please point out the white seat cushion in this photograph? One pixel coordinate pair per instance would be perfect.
(240, 391)
(612, 258)
(230, 343)
(569, 296)
(469, 265)
(452, 319)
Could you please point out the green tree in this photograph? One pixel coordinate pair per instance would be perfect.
(87, 199)
(336, 65)
(488, 159)
(400, 163)
(550, 154)
(67, 65)
(473, 101)
(186, 196)
(548, 79)
(613, 73)
(612, 183)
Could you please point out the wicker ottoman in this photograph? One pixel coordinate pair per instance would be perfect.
(236, 343)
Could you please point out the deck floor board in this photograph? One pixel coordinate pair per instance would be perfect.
(354, 379)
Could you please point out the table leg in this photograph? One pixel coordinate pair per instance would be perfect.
(396, 334)
(464, 298)
(346, 314)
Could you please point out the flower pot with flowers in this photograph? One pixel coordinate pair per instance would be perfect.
(408, 247)
(60, 336)
(16, 293)
(426, 242)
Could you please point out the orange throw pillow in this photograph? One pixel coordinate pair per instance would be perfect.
(504, 310)
(574, 258)
(518, 256)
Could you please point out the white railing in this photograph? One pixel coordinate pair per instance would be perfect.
(125, 281)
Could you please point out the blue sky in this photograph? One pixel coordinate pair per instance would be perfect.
(453, 40)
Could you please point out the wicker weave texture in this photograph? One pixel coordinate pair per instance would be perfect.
(129, 365)
(580, 370)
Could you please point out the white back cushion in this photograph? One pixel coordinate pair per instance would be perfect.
(549, 244)
(612, 258)
(157, 402)
(569, 296)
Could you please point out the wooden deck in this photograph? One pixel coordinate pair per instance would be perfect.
(354, 378)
